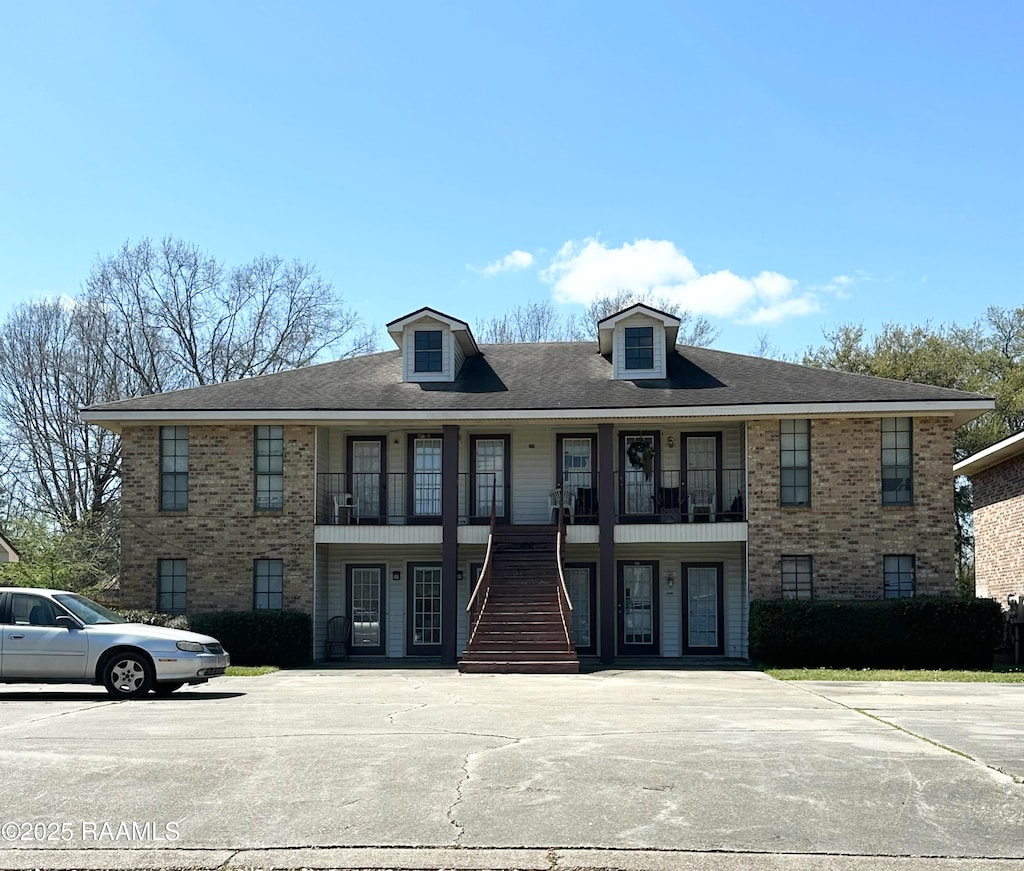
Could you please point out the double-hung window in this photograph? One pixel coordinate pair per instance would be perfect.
(268, 584)
(171, 585)
(797, 577)
(900, 581)
(269, 464)
(795, 462)
(427, 351)
(639, 348)
(897, 462)
(174, 468)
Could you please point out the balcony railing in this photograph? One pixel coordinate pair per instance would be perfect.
(673, 496)
(400, 498)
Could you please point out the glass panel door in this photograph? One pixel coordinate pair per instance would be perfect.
(638, 608)
(426, 476)
(703, 610)
(638, 483)
(579, 582)
(366, 460)
(365, 608)
(425, 609)
(701, 477)
(578, 479)
(489, 478)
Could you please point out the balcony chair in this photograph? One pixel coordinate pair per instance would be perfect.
(700, 498)
(344, 508)
(564, 500)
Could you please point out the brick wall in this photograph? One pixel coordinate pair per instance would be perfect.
(999, 530)
(221, 533)
(846, 530)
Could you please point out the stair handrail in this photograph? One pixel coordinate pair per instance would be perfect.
(564, 602)
(482, 589)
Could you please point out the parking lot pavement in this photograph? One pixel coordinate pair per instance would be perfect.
(983, 720)
(670, 768)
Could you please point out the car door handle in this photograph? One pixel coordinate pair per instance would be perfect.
(12, 637)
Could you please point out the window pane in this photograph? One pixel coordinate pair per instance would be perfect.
(795, 462)
(639, 346)
(268, 583)
(797, 577)
(171, 585)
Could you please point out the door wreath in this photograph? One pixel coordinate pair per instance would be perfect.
(640, 454)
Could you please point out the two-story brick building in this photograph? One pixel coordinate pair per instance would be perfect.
(691, 481)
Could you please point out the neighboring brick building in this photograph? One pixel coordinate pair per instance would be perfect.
(997, 478)
(693, 481)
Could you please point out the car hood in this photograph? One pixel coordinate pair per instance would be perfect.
(144, 630)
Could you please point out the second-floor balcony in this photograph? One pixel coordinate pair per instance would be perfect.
(402, 499)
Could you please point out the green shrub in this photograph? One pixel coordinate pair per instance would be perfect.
(153, 618)
(281, 638)
(925, 632)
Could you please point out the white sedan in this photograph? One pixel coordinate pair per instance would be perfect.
(51, 636)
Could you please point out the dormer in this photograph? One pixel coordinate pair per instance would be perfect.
(639, 340)
(433, 344)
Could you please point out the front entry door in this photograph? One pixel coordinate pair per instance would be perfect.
(638, 608)
(424, 608)
(365, 596)
(703, 614)
(580, 581)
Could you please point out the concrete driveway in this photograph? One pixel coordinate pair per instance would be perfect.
(429, 768)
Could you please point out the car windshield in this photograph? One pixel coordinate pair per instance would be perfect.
(88, 611)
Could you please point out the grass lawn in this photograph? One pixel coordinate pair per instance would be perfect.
(250, 670)
(1001, 674)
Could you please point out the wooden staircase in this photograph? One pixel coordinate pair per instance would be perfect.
(520, 626)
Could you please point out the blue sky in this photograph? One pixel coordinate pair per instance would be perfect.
(779, 167)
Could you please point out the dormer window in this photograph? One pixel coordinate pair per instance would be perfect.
(428, 356)
(434, 346)
(639, 348)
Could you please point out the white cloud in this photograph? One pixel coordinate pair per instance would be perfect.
(509, 263)
(585, 270)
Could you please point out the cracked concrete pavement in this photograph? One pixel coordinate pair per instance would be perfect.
(391, 767)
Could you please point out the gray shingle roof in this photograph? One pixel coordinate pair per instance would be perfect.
(544, 376)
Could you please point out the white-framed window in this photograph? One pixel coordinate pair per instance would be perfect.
(639, 347)
(427, 351)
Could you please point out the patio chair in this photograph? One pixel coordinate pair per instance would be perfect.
(336, 646)
(343, 508)
(702, 498)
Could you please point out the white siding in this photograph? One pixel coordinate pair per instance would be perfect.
(670, 559)
(619, 349)
(533, 473)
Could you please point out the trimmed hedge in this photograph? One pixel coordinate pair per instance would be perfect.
(154, 618)
(281, 638)
(922, 632)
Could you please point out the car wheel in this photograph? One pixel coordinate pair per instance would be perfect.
(128, 675)
(165, 689)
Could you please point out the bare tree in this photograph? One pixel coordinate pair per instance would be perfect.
(696, 331)
(52, 362)
(542, 322)
(531, 322)
(178, 318)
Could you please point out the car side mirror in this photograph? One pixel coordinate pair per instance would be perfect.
(68, 623)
